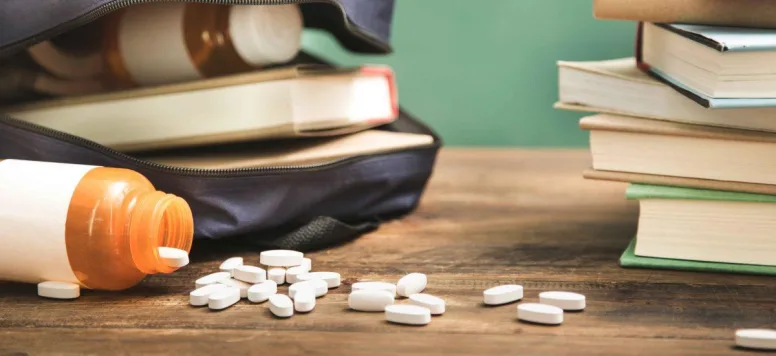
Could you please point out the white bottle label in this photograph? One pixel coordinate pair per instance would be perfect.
(152, 44)
(34, 201)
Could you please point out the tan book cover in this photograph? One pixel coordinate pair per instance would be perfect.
(738, 13)
(293, 152)
(606, 122)
(679, 181)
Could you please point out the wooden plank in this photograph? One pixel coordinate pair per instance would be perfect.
(490, 217)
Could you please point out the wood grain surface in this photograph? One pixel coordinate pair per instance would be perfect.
(489, 217)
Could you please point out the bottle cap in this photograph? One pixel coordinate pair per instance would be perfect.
(266, 34)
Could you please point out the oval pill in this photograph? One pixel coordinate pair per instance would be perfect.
(281, 258)
(503, 294)
(761, 339)
(230, 264)
(307, 264)
(304, 301)
(173, 257)
(319, 287)
(223, 298)
(277, 274)
(332, 279)
(249, 274)
(293, 272)
(384, 286)
(239, 285)
(281, 306)
(407, 314)
(199, 297)
(410, 284)
(258, 293)
(212, 278)
(540, 313)
(369, 300)
(563, 300)
(59, 290)
(434, 304)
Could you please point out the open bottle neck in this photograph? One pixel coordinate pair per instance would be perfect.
(158, 220)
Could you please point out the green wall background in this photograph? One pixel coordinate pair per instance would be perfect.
(491, 83)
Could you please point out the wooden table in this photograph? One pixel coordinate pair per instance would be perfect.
(490, 217)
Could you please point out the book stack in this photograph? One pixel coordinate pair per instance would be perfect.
(690, 122)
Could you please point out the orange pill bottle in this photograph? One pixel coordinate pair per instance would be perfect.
(95, 226)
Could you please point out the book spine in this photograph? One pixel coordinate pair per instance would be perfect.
(741, 13)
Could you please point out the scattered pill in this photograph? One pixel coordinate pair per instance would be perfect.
(434, 304)
(762, 339)
(249, 274)
(281, 258)
(212, 278)
(407, 314)
(369, 300)
(503, 294)
(331, 278)
(200, 296)
(307, 264)
(277, 274)
(223, 298)
(173, 257)
(281, 306)
(384, 286)
(563, 300)
(540, 313)
(240, 285)
(293, 272)
(319, 287)
(59, 290)
(410, 284)
(230, 264)
(304, 300)
(258, 293)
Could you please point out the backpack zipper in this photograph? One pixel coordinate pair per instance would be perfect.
(118, 4)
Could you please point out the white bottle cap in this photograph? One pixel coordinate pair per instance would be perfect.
(266, 34)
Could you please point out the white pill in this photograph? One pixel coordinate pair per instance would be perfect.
(212, 278)
(223, 298)
(503, 294)
(200, 296)
(304, 301)
(763, 339)
(331, 278)
(307, 264)
(384, 286)
(369, 300)
(293, 272)
(281, 306)
(277, 274)
(249, 274)
(231, 263)
(319, 287)
(59, 290)
(240, 285)
(281, 258)
(407, 314)
(258, 293)
(434, 304)
(540, 313)
(563, 300)
(173, 257)
(410, 284)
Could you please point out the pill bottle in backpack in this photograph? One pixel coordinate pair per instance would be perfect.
(95, 226)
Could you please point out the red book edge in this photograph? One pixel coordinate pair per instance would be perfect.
(389, 75)
(639, 61)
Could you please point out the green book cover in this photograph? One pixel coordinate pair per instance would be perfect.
(645, 191)
(630, 260)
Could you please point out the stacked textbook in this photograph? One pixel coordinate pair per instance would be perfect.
(690, 122)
